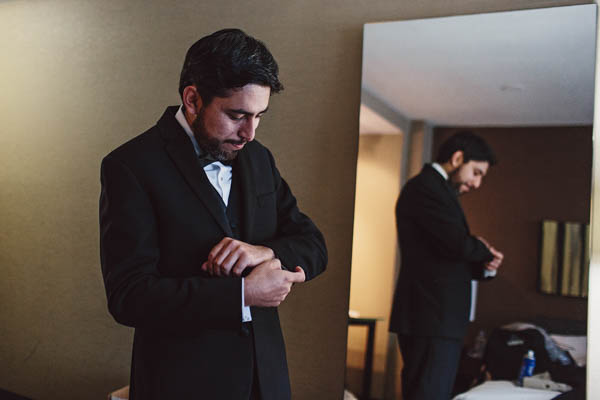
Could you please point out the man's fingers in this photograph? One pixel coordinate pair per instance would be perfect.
(214, 252)
(298, 276)
(240, 266)
(208, 267)
(224, 252)
(496, 253)
(220, 254)
(492, 265)
(223, 256)
(228, 263)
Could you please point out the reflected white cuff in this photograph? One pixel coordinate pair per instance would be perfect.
(487, 273)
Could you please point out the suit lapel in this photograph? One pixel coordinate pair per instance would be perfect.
(181, 151)
(454, 197)
(244, 172)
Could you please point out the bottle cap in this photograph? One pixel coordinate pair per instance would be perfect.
(530, 353)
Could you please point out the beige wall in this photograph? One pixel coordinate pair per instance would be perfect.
(374, 249)
(80, 77)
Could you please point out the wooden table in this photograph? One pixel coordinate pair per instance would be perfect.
(368, 368)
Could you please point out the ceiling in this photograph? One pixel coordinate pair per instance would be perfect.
(518, 68)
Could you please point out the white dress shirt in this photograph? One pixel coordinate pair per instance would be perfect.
(440, 169)
(220, 176)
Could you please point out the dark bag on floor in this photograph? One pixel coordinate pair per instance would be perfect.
(505, 350)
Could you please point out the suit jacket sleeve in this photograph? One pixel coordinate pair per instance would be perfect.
(138, 295)
(298, 241)
(442, 221)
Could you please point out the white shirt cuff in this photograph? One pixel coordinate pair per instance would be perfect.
(488, 273)
(246, 315)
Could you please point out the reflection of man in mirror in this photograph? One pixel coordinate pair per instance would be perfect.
(440, 257)
(201, 239)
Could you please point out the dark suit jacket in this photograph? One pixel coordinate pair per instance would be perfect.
(439, 260)
(159, 218)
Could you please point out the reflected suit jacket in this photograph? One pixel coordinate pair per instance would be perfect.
(439, 258)
(159, 218)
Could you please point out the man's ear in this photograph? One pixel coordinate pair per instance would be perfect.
(457, 159)
(192, 102)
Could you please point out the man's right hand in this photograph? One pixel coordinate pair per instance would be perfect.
(268, 285)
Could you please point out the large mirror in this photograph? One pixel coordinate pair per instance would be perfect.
(522, 80)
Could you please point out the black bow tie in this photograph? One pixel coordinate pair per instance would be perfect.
(207, 160)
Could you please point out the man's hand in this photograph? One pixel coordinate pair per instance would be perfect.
(498, 256)
(267, 285)
(232, 257)
(496, 261)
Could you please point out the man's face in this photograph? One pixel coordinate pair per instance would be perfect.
(468, 176)
(224, 126)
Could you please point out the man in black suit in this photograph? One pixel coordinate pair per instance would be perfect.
(440, 257)
(201, 239)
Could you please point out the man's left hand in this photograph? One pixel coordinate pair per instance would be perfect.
(498, 256)
(496, 261)
(230, 257)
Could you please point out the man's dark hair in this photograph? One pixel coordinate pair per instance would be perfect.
(226, 60)
(472, 146)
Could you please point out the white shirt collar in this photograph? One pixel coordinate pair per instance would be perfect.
(186, 127)
(440, 169)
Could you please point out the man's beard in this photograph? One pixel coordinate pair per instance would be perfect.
(454, 185)
(212, 147)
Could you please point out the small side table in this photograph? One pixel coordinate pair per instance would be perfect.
(368, 369)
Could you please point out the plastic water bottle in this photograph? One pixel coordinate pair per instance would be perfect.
(527, 366)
